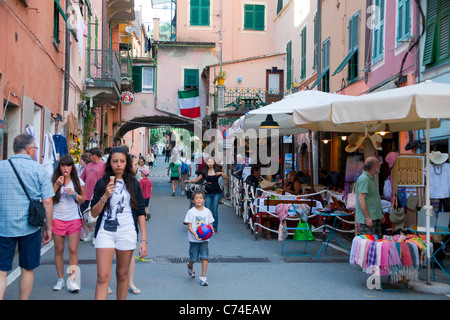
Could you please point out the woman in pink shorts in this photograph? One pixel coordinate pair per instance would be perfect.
(67, 220)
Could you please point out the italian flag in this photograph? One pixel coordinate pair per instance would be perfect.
(189, 102)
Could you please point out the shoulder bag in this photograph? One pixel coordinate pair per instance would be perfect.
(36, 211)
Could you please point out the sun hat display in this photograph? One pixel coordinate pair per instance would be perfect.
(437, 157)
(376, 141)
(354, 142)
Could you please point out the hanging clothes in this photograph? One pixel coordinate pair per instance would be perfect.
(49, 159)
(60, 143)
(30, 130)
(439, 180)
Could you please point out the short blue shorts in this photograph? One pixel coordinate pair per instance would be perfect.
(29, 247)
(198, 251)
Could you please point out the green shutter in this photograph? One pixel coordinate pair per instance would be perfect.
(428, 50)
(190, 78)
(254, 17)
(303, 56)
(404, 20)
(200, 12)
(279, 6)
(443, 35)
(289, 65)
(137, 78)
(378, 33)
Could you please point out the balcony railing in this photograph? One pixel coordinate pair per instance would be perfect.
(103, 65)
(246, 99)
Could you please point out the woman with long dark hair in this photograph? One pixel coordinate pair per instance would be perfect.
(120, 207)
(67, 219)
(211, 173)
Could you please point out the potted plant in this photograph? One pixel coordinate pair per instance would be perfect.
(220, 77)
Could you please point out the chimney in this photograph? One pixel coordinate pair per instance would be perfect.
(155, 29)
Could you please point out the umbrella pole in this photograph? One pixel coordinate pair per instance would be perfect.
(428, 203)
(311, 166)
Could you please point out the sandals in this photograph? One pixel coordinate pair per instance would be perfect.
(134, 291)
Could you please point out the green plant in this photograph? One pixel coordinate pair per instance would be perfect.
(221, 75)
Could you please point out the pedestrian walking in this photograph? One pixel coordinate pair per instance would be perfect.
(95, 169)
(146, 187)
(141, 166)
(198, 248)
(211, 174)
(67, 220)
(15, 231)
(174, 172)
(168, 153)
(119, 206)
(185, 171)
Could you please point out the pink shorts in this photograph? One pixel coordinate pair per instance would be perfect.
(65, 228)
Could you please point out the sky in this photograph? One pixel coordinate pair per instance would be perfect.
(148, 13)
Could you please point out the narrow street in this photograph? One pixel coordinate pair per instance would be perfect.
(241, 268)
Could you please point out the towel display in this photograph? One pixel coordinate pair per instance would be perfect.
(395, 256)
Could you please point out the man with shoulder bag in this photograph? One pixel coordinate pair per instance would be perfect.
(24, 186)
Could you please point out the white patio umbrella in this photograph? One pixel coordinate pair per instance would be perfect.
(414, 107)
(281, 111)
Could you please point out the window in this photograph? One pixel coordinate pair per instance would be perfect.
(403, 20)
(326, 46)
(437, 40)
(143, 79)
(254, 17)
(316, 41)
(279, 6)
(378, 32)
(303, 56)
(289, 65)
(147, 79)
(55, 25)
(200, 12)
(353, 46)
(190, 79)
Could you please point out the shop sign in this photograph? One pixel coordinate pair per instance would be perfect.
(127, 98)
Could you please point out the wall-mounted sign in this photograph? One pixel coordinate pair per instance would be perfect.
(127, 97)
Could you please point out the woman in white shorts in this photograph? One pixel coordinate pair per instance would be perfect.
(120, 207)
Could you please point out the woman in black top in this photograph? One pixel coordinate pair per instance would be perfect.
(211, 174)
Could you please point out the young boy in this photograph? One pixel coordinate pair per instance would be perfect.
(198, 248)
(146, 187)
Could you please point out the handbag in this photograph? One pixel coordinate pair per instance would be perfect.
(36, 210)
(397, 215)
(88, 218)
(351, 199)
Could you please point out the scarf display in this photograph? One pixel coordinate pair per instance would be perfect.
(396, 256)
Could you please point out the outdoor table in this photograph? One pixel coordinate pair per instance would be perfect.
(336, 221)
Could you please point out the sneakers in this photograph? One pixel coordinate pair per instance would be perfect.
(173, 193)
(59, 285)
(73, 286)
(203, 281)
(191, 271)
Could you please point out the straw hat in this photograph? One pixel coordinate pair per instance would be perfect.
(376, 141)
(354, 142)
(437, 157)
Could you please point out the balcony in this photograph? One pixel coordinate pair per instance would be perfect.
(242, 100)
(103, 81)
(126, 72)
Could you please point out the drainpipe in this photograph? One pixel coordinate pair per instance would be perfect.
(67, 64)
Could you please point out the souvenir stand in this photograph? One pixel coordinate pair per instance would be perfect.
(396, 257)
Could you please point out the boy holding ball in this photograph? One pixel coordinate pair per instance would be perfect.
(198, 248)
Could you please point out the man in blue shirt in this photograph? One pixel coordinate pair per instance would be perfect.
(14, 204)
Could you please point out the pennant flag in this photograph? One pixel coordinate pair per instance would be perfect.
(189, 102)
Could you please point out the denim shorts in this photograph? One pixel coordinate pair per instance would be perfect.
(198, 251)
(29, 247)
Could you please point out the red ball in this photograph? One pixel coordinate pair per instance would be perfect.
(204, 231)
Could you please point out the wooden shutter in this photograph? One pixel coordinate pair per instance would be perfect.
(430, 29)
(289, 65)
(303, 56)
(137, 78)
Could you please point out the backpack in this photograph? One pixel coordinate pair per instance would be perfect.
(184, 167)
